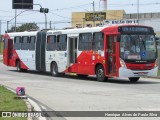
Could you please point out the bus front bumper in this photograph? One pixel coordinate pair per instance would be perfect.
(124, 72)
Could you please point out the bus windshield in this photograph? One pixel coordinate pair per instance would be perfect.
(138, 47)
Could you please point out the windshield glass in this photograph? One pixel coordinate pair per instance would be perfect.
(138, 47)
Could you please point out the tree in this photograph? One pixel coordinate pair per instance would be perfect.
(24, 27)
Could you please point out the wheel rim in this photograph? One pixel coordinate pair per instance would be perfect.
(100, 73)
(55, 69)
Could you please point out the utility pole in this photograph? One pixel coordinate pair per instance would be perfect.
(93, 14)
(15, 28)
(50, 24)
(84, 22)
(138, 11)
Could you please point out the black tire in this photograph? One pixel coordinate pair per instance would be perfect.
(18, 66)
(100, 74)
(134, 79)
(54, 70)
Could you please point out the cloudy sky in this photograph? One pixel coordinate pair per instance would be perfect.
(61, 10)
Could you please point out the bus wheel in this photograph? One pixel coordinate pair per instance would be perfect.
(54, 70)
(133, 79)
(18, 66)
(100, 73)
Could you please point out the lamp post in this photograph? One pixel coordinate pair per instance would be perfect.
(44, 14)
(23, 12)
(15, 18)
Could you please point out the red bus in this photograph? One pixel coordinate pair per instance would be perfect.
(113, 51)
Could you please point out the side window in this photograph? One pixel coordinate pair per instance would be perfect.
(62, 42)
(85, 41)
(51, 43)
(17, 43)
(25, 43)
(98, 41)
(32, 43)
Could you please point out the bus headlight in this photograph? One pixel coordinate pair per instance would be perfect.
(122, 63)
(156, 63)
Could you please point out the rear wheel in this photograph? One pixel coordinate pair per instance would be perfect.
(54, 70)
(134, 79)
(100, 73)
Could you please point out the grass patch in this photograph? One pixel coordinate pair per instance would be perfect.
(8, 103)
(1, 48)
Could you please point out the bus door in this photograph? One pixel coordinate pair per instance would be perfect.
(111, 54)
(72, 54)
(8, 51)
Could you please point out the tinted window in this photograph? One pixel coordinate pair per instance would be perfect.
(17, 43)
(25, 43)
(98, 41)
(85, 41)
(51, 43)
(61, 42)
(32, 43)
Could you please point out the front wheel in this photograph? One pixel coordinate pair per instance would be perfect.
(100, 73)
(134, 79)
(54, 70)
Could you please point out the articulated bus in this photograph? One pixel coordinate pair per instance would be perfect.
(124, 51)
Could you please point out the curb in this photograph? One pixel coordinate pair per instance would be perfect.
(31, 105)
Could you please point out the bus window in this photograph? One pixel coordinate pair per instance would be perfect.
(17, 43)
(51, 43)
(85, 41)
(32, 43)
(61, 42)
(98, 41)
(25, 43)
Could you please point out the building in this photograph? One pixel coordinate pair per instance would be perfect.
(85, 19)
(91, 19)
(149, 19)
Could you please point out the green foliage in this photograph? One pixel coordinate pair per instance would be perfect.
(24, 27)
(1, 47)
(9, 103)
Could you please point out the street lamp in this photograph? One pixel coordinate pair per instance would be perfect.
(28, 10)
(16, 17)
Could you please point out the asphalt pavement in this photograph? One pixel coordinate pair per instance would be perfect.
(75, 94)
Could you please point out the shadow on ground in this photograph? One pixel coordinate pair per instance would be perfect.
(90, 78)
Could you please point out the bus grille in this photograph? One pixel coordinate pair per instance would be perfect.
(139, 67)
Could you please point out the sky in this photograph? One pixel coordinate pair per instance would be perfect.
(60, 11)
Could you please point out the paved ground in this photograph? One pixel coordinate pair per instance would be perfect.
(72, 94)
